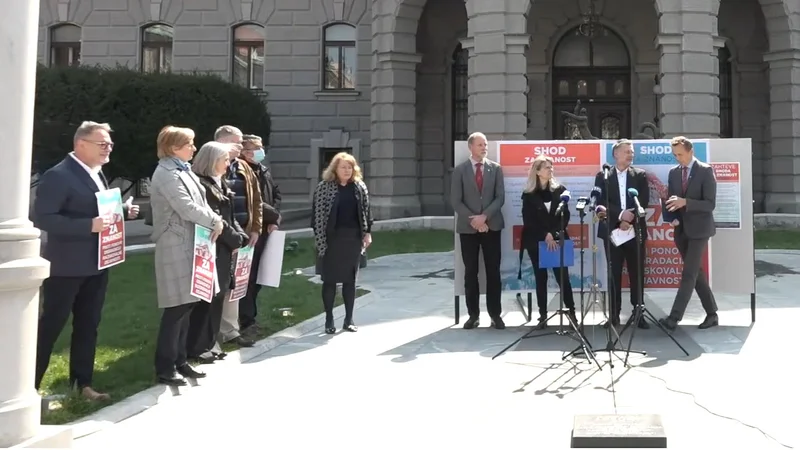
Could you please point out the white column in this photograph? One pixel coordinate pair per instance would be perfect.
(22, 270)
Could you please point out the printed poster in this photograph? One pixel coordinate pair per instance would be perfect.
(663, 263)
(575, 165)
(241, 274)
(111, 249)
(204, 271)
(728, 213)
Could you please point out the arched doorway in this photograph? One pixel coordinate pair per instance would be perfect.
(597, 72)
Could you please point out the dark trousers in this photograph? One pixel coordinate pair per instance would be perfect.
(204, 323)
(626, 253)
(248, 305)
(84, 298)
(540, 275)
(172, 335)
(694, 278)
(329, 297)
(471, 247)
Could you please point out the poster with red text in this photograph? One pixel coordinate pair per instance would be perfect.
(575, 165)
(663, 262)
(204, 273)
(728, 211)
(111, 249)
(241, 274)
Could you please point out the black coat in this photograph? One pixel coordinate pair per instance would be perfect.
(232, 237)
(270, 195)
(538, 220)
(636, 178)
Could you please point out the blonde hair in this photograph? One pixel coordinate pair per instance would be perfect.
(252, 139)
(329, 174)
(532, 184)
(171, 138)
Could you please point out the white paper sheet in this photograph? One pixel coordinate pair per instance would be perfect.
(271, 265)
(619, 237)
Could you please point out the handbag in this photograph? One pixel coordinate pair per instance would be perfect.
(362, 263)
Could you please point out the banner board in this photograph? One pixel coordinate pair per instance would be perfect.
(576, 163)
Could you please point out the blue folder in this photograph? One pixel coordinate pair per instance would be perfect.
(550, 259)
(666, 215)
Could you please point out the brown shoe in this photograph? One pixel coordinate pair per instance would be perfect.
(91, 394)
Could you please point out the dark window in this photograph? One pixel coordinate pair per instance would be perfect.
(460, 96)
(65, 45)
(248, 56)
(725, 93)
(157, 48)
(340, 57)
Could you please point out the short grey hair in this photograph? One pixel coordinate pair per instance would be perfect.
(87, 128)
(621, 143)
(225, 131)
(206, 159)
(476, 135)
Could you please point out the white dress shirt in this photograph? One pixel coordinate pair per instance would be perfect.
(622, 180)
(93, 173)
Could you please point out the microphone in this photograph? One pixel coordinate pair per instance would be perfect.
(606, 171)
(596, 191)
(635, 194)
(564, 200)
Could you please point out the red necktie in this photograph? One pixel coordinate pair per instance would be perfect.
(685, 180)
(479, 177)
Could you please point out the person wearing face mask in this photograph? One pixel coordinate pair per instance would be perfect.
(253, 154)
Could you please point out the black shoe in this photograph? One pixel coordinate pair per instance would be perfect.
(220, 356)
(188, 372)
(498, 324)
(612, 321)
(710, 321)
(643, 324)
(171, 380)
(329, 327)
(349, 326)
(669, 323)
(205, 358)
(574, 318)
(242, 341)
(472, 322)
(251, 330)
(542, 324)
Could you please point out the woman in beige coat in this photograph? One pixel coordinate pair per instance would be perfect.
(178, 202)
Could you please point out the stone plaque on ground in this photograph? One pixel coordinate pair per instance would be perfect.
(618, 431)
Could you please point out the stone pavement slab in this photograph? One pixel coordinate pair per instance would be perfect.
(409, 376)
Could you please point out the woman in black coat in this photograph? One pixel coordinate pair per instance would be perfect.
(540, 199)
(210, 164)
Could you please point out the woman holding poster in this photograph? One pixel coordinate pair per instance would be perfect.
(210, 164)
(540, 200)
(178, 202)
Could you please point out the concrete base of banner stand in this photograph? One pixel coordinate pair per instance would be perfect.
(618, 431)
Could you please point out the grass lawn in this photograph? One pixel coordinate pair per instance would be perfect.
(127, 334)
(784, 239)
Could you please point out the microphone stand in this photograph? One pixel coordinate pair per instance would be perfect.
(561, 312)
(640, 311)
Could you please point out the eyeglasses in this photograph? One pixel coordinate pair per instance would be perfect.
(102, 144)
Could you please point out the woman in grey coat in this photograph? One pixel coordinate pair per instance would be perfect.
(178, 202)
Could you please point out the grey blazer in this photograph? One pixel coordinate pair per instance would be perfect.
(697, 218)
(178, 201)
(467, 201)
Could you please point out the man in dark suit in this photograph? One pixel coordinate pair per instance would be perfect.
(253, 154)
(693, 195)
(620, 214)
(477, 196)
(66, 209)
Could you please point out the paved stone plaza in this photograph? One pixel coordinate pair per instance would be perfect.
(409, 376)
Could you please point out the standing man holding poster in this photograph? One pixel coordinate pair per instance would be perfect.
(620, 216)
(66, 207)
(477, 197)
(692, 197)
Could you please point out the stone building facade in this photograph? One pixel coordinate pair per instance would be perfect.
(397, 81)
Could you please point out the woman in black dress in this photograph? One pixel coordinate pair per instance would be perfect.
(342, 223)
(540, 199)
(210, 165)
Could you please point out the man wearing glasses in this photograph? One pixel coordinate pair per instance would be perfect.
(66, 209)
(253, 154)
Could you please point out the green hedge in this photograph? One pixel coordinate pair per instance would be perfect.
(137, 106)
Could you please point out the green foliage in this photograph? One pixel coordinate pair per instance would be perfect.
(137, 106)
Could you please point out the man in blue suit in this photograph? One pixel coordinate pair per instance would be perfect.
(66, 208)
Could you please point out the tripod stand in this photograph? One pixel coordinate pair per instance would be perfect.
(574, 332)
(640, 311)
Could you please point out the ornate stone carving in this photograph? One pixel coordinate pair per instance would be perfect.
(578, 121)
(654, 130)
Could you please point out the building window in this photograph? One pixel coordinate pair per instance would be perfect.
(65, 45)
(725, 93)
(340, 57)
(157, 48)
(459, 108)
(248, 56)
